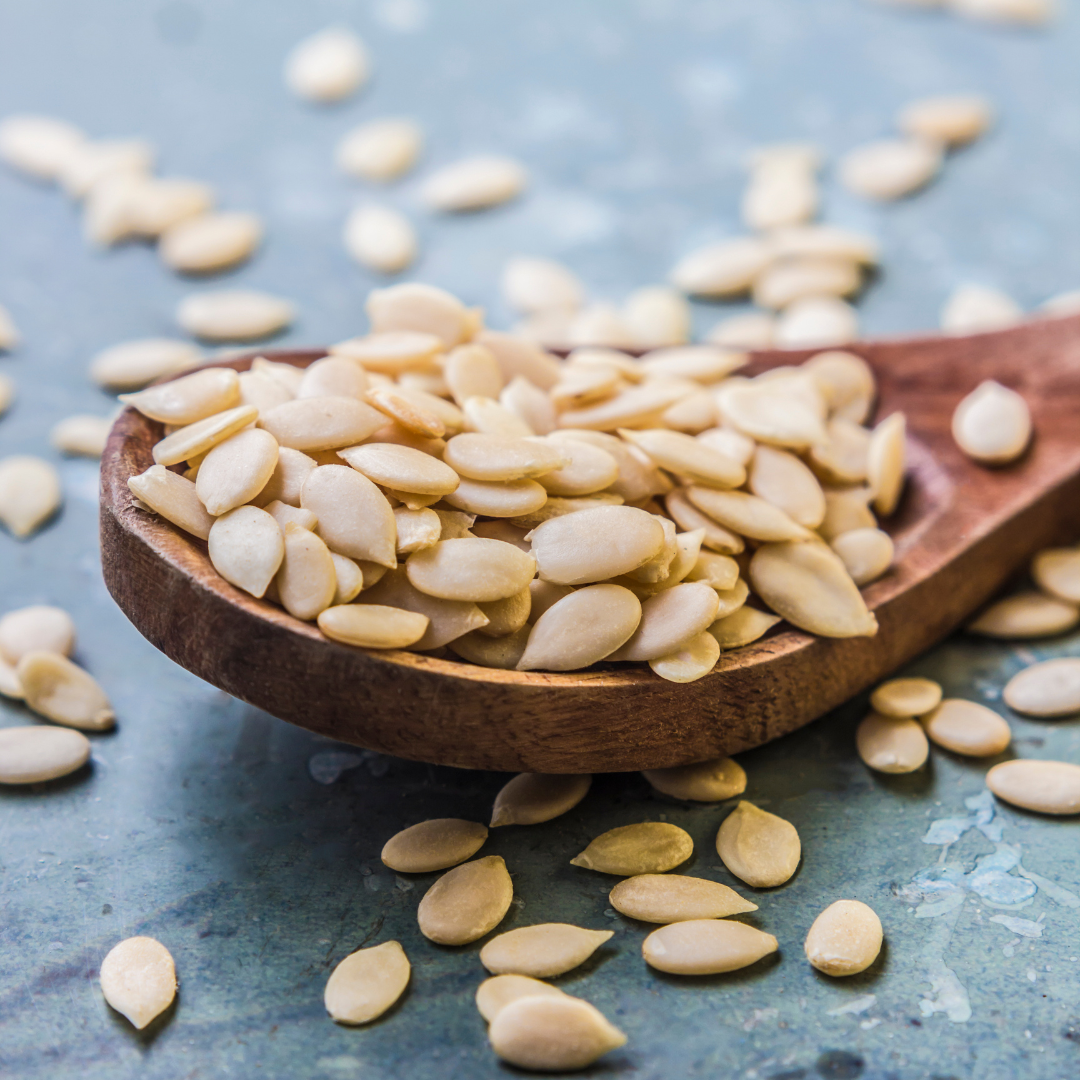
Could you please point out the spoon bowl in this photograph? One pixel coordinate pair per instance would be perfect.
(961, 531)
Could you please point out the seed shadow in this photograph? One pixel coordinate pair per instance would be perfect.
(146, 1036)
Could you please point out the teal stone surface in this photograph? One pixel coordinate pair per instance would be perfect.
(250, 848)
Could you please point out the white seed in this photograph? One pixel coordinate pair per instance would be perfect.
(402, 468)
(416, 529)
(690, 518)
(211, 242)
(992, 424)
(39, 146)
(816, 322)
(719, 571)
(391, 353)
(886, 462)
(846, 510)
(33, 754)
(159, 204)
(138, 979)
(381, 238)
(824, 242)
(321, 423)
(866, 553)
(60, 690)
(262, 390)
(509, 499)
(507, 616)
(542, 951)
(472, 371)
(706, 947)
(779, 477)
(707, 781)
(111, 206)
(307, 581)
(519, 356)
(951, 119)
(471, 569)
(904, 698)
(94, 161)
(600, 325)
(672, 898)
(194, 440)
(189, 398)
(746, 514)
(976, 309)
(686, 456)
(772, 415)
(638, 478)
(741, 627)
(367, 983)
(82, 435)
(333, 376)
(657, 316)
(466, 902)
(778, 197)
(489, 417)
(372, 626)
(797, 279)
(494, 994)
(432, 845)
(844, 939)
(891, 745)
(552, 1034)
(380, 150)
(327, 66)
(847, 382)
(418, 420)
(758, 847)
(751, 331)
(234, 315)
(236, 470)
(731, 600)
(1048, 787)
(136, 363)
(584, 384)
(1020, 12)
(633, 407)
(354, 517)
(413, 306)
(474, 183)
(532, 284)
(808, 585)
(504, 652)
(724, 269)
(174, 498)
(1057, 571)
(349, 579)
(1050, 688)
(693, 660)
(10, 686)
(670, 620)
(530, 404)
(284, 514)
(593, 545)
(246, 548)
(967, 728)
(532, 798)
(447, 619)
(588, 469)
(1026, 615)
(29, 494)
(39, 628)
(890, 168)
(651, 847)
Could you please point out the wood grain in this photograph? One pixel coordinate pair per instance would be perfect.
(961, 531)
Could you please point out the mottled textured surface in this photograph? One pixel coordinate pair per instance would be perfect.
(250, 848)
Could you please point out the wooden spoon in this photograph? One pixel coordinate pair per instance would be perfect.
(961, 531)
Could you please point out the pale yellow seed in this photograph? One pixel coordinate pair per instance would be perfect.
(447, 619)
(583, 384)
(906, 697)
(234, 315)
(847, 381)
(531, 285)
(39, 146)
(559, 506)
(846, 509)
(689, 517)
(29, 494)
(349, 579)
(333, 376)
(951, 119)
(552, 1034)
(307, 580)
(196, 439)
(10, 686)
(472, 371)
(471, 569)
(635, 406)
(488, 417)
(532, 798)
(719, 571)
(844, 939)
(651, 847)
(706, 947)
(747, 515)
(367, 983)
(1026, 615)
(174, 498)
(402, 468)
(844, 458)
(671, 898)
(542, 951)
(424, 309)
(380, 150)
(682, 454)
(56, 688)
(1057, 571)
(507, 616)
(392, 352)
(246, 548)
(596, 544)
(94, 162)
(474, 184)
(992, 424)
(779, 477)
(978, 309)
(1050, 688)
(159, 204)
(692, 661)
(354, 517)
(886, 463)
(779, 196)
(466, 902)
(39, 628)
(771, 413)
(210, 242)
(288, 376)
(518, 356)
(723, 269)
(670, 620)
(658, 568)
(891, 745)
(866, 553)
(82, 435)
(809, 276)
(824, 241)
(808, 585)
(1048, 787)
(34, 754)
(416, 529)
(707, 781)
(967, 728)
(890, 168)
(189, 398)
(600, 325)
(530, 404)
(504, 652)
(402, 408)
(138, 979)
(494, 994)
(753, 330)
(815, 323)
(236, 470)
(432, 845)
(758, 847)
(657, 316)
(492, 457)
(742, 627)
(703, 363)
(380, 237)
(588, 470)
(321, 423)
(731, 601)
(372, 626)
(7, 386)
(492, 498)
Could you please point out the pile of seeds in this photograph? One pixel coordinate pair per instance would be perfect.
(435, 484)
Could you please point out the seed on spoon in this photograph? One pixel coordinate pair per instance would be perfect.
(650, 847)
(372, 626)
(692, 661)
(1050, 688)
(742, 626)
(367, 983)
(758, 847)
(39, 628)
(29, 494)
(706, 947)
(432, 845)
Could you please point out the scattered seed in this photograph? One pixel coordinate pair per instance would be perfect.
(651, 847)
(174, 498)
(541, 951)
(466, 902)
(751, 331)
(328, 66)
(1021, 12)
(532, 798)
(56, 688)
(552, 1034)
(391, 353)
(367, 983)
(706, 947)
(758, 847)
(866, 553)
(194, 440)
(905, 698)
(890, 168)
(10, 686)
(967, 728)
(779, 196)
(39, 146)
(433, 845)
(39, 628)
(741, 627)
(1048, 787)
(671, 898)
(7, 386)
(952, 119)
(380, 150)
(189, 398)
(724, 269)
(474, 184)
(415, 307)
(1057, 571)
(81, 436)
(138, 979)
(824, 242)
(816, 322)
(29, 494)
(977, 309)
(797, 279)
(600, 325)
(381, 238)
(657, 316)
(844, 939)
(494, 994)
(234, 315)
(1026, 615)
(33, 754)
(531, 285)
(1049, 688)
(372, 626)
(211, 242)
(992, 424)
(707, 781)
(93, 162)
(891, 745)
